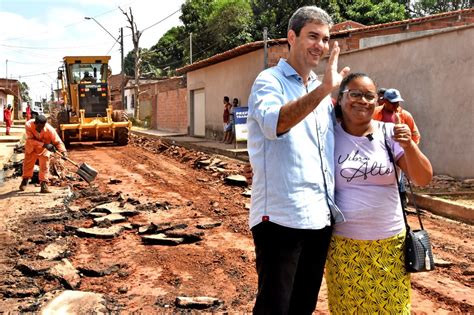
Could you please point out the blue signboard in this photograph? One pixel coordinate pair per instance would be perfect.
(240, 114)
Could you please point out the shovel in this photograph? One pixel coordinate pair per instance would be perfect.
(86, 172)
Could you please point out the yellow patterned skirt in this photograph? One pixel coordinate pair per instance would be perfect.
(367, 277)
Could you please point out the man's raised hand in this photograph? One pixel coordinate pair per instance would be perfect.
(332, 78)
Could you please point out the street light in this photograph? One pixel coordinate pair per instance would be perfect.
(121, 53)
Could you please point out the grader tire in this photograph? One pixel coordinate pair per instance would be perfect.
(121, 134)
(62, 117)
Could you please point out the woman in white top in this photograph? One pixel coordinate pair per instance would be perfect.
(365, 266)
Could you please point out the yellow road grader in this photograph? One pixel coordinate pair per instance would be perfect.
(86, 113)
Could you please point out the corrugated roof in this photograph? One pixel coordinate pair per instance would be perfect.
(246, 48)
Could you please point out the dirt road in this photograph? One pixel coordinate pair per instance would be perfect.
(189, 200)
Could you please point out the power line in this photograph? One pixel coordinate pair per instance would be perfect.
(161, 20)
(65, 26)
(43, 48)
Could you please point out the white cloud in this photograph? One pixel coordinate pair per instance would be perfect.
(59, 29)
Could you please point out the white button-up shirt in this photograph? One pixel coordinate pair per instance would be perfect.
(293, 181)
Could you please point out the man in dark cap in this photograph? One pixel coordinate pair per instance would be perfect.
(41, 140)
(390, 108)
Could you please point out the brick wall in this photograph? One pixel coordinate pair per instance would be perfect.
(15, 88)
(351, 40)
(277, 52)
(169, 108)
(171, 111)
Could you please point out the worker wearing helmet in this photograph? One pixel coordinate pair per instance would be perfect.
(41, 140)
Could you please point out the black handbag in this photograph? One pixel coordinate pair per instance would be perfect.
(418, 253)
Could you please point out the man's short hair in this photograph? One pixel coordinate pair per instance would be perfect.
(308, 14)
(226, 98)
(41, 120)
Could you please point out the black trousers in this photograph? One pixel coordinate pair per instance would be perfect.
(290, 266)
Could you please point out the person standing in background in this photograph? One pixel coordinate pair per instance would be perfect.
(226, 119)
(7, 117)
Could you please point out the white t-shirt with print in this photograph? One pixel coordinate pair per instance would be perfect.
(366, 187)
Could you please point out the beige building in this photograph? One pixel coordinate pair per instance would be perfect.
(432, 69)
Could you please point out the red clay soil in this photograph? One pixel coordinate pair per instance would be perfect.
(166, 185)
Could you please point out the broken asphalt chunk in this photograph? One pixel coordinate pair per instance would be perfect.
(161, 239)
(34, 268)
(76, 302)
(67, 274)
(114, 207)
(54, 251)
(114, 181)
(98, 269)
(247, 193)
(97, 232)
(187, 236)
(113, 218)
(236, 180)
(199, 302)
(208, 226)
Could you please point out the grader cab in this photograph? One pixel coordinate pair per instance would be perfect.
(86, 113)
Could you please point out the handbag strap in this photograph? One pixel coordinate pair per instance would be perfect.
(392, 159)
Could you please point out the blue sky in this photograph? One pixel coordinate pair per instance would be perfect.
(37, 34)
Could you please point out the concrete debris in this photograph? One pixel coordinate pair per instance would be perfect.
(208, 226)
(442, 263)
(161, 239)
(200, 163)
(216, 162)
(34, 268)
(113, 218)
(114, 181)
(168, 226)
(97, 269)
(67, 274)
(97, 214)
(188, 236)
(114, 207)
(236, 180)
(75, 302)
(147, 229)
(247, 193)
(20, 291)
(54, 251)
(199, 302)
(97, 232)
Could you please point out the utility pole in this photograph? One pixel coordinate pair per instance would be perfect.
(136, 34)
(122, 72)
(265, 51)
(191, 48)
(122, 84)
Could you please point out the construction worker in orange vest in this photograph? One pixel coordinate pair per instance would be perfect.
(7, 116)
(41, 140)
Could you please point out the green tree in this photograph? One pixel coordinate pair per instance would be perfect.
(170, 51)
(229, 25)
(25, 92)
(370, 12)
(428, 7)
(275, 14)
